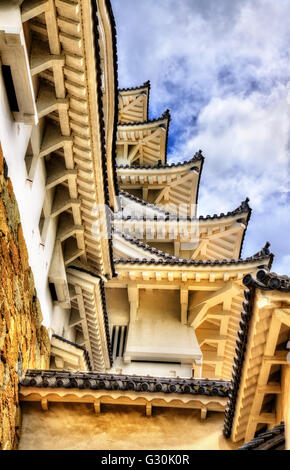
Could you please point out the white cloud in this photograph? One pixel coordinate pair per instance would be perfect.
(223, 69)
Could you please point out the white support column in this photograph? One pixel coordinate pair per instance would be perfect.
(148, 409)
(203, 413)
(184, 305)
(133, 296)
(176, 248)
(197, 367)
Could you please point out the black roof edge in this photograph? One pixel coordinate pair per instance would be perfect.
(144, 246)
(96, 380)
(104, 304)
(186, 262)
(72, 343)
(247, 222)
(243, 208)
(163, 117)
(197, 157)
(265, 281)
(146, 84)
(102, 118)
(268, 440)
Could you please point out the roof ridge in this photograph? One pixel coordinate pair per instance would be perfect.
(61, 338)
(141, 201)
(95, 380)
(144, 245)
(266, 280)
(165, 115)
(191, 262)
(265, 437)
(242, 208)
(196, 157)
(146, 84)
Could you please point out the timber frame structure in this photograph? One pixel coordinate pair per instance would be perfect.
(259, 393)
(146, 301)
(71, 48)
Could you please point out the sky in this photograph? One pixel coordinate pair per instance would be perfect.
(223, 69)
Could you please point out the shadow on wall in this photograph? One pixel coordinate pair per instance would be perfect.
(75, 426)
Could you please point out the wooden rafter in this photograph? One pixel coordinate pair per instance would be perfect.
(270, 327)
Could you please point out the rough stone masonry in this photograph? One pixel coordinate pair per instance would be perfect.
(24, 342)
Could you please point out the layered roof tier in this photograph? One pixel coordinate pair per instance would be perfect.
(134, 103)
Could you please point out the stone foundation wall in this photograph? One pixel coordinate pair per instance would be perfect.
(24, 343)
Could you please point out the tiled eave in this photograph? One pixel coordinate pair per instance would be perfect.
(147, 250)
(187, 270)
(273, 439)
(243, 211)
(264, 281)
(268, 281)
(95, 381)
(164, 119)
(76, 346)
(259, 260)
(82, 133)
(198, 157)
(145, 86)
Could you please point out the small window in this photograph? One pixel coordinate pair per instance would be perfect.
(10, 90)
(52, 291)
(28, 158)
(119, 334)
(41, 223)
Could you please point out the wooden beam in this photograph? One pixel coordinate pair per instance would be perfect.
(148, 409)
(198, 312)
(279, 358)
(52, 28)
(203, 413)
(270, 388)
(44, 404)
(283, 315)
(133, 297)
(97, 406)
(267, 418)
(183, 305)
(32, 8)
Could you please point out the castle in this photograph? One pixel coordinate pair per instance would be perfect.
(113, 292)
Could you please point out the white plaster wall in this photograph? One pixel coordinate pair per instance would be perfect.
(75, 426)
(158, 334)
(10, 16)
(118, 306)
(154, 369)
(14, 138)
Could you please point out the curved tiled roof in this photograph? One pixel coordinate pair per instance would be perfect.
(104, 305)
(273, 439)
(95, 381)
(262, 255)
(101, 108)
(78, 346)
(144, 246)
(197, 157)
(270, 281)
(241, 345)
(243, 208)
(115, 57)
(165, 115)
(145, 85)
